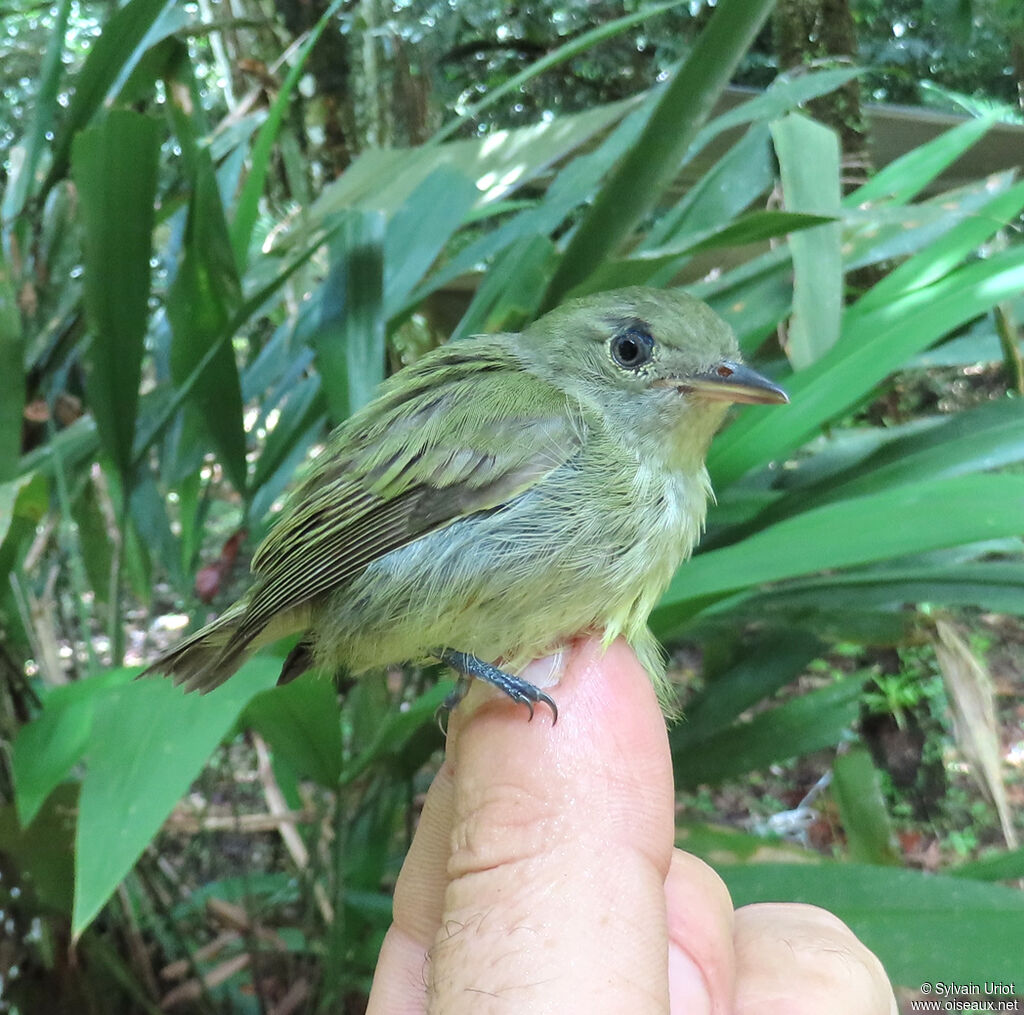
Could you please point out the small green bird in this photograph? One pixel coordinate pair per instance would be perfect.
(498, 497)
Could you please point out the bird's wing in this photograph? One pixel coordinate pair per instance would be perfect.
(412, 462)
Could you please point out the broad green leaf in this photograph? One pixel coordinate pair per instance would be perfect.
(499, 164)
(148, 742)
(349, 340)
(998, 866)
(823, 604)
(872, 346)
(115, 170)
(857, 791)
(891, 523)
(976, 440)
(722, 844)
(783, 95)
(894, 232)
(809, 167)
(46, 749)
(573, 184)
(907, 918)
(809, 723)
(650, 166)
(660, 265)
(302, 723)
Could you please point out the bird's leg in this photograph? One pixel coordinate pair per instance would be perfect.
(516, 688)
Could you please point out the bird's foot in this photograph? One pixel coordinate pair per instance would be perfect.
(519, 690)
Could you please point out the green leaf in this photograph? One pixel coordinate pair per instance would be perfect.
(940, 257)
(202, 302)
(651, 164)
(22, 498)
(247, 208)
(581, 44)
(419, 230)
(980, 439)
(23, 174)
(872, 346)
(858, 792)
(46, 749)
(115, 170)
(125, 37)
(133, 781)
(660, 265)
(349, 340)
(302, 723)
(823, 604)
(510, 293)
(43, 851)
(809, 166)
(907, 918)
(902, 180)
(891, 523)
(783, 95)
(12, 377)
(768, 665)
(744, 173)
(809, 723)
(997, 866)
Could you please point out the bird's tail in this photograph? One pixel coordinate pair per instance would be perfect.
(211, 655)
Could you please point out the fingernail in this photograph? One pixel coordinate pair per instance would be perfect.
(687, 988)
(545, 672)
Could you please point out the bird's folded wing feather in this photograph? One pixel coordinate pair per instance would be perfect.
(412, 462)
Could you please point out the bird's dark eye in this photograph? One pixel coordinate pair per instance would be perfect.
(632, 348)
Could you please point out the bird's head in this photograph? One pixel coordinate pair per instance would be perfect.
(659, 364)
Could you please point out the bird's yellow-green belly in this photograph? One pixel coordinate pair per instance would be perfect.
(519, 582)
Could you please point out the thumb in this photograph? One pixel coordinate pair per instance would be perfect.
(560, 839)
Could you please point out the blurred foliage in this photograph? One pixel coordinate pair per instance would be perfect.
(204, 264)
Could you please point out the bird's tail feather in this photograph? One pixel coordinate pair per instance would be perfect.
(208, 658)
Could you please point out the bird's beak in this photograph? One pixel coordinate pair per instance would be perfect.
(729, 381)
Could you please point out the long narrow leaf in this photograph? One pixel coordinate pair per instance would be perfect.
(568, 50)
(349, 341)
(120, 46)
(874, 345)
(809, 167)
(893, 523)
(653, 162)
(115, 170)
(903, 179)
(12, 377)
(247, 209)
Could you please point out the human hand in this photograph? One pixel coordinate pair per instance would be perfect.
(543, 878)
